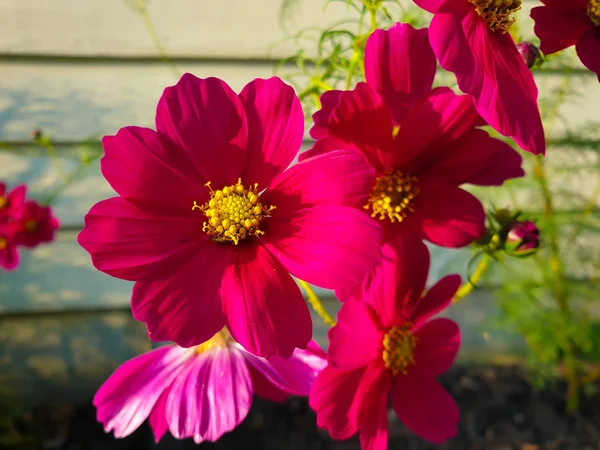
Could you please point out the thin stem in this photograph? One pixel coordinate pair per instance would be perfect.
(373, 14)
(316, 303)
(468, 287)
(56, 162)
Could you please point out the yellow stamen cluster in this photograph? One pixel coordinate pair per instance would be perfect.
(398, 346)
(219, 340)
(593, 11)
(31, 226)
(393, 196)
(497, 13)
(3, 202)
(233, 213)
(3, 243)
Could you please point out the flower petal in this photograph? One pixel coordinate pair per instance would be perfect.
(293, 376)
(447, 215)
(425, 407)
(558, 28)
(429, 5)
(437, 344)
(356, 339)
(9, 257)
(138, 244)
(374, 391)
(477, 158)
(158, 417)
(126, 399)
(275, 129)
(206, 119)
(588, 50)
(264, 389)
(329, 100)
(438, 298)
(326, 145)
(147, 169)
(328, 246)
(489, 67)
(333, 398)
(338, 178)
(265, 310)
(400, 65)
(185, 306)
(211, 398)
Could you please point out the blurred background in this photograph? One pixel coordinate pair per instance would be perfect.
(72, 71)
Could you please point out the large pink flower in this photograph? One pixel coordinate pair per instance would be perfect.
(561, 24)
(385, 344)
(423, 143)
(200, 392)
(210, 224)
(471, 39)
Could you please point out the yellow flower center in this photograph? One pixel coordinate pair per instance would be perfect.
(3, 243)
(219, 340)
(233, 213)
(497, 13)
(393, 196)
(594, 11)
(398, 347)
(3, 202)
(31, 226)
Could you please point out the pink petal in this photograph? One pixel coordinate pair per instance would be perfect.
(400, 65)
(429, 5)
(489, 67)
(158, 417)
(425, 407)
(357, 338)
(9, 257)
(326, 145)
(293, 376)
(374, 392)
(265, 310)
(329, 100)
(126, 399)
(338, 178)
(185, 306)
(448, 216)
(138, 244)
(264, 389)
(362, 118)
(588, 50)
(434, 124)
(211, 398)
(16, 197)
(558, 28)
(206, 119)
(333, 398)
(572, 5)
(275, 129)
(147, 169)
(437, 344)
(477, 158)
(328, 246)
(438, 298)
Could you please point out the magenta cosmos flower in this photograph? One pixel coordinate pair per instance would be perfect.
(200, 392)
(385, 344)
(423, 143)
(470, 38)
(11, 203)
(210, 224)
(561, 24)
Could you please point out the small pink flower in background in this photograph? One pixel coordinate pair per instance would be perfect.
(423, 143)
(563, 23)
(200, 392)
(523, 238)
(470, 38)
(37, 225)
(9, 255)
(529, 52)
(210, 224)
(386, 344)
(11, 202)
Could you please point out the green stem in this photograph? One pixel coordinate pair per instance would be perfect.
(316, 303)
(56, 162)
(468, 287)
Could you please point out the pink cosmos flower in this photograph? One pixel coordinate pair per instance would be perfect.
(37, 225)
(470, 38)
(9, 255)
(210, 224)
(11, 202)
(200, 392)
(424, 144)
(561, 24)
(385, 344)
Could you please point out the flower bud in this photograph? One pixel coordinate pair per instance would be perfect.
(530, 53)
(523, 239)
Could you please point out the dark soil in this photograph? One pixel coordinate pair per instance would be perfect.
(499, 410)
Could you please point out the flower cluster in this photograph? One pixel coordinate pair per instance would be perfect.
(212, 221)
(22, 223)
